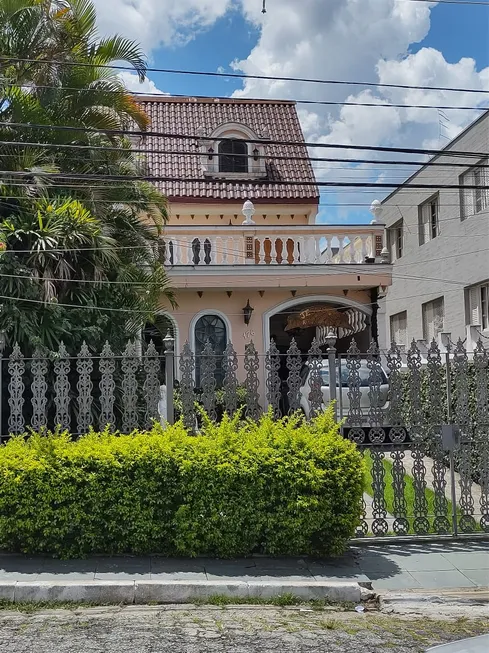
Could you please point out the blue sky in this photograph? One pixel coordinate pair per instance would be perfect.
(457, 31)
(460, 31)
(395, 41)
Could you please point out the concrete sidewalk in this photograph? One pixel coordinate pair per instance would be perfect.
(397, 567)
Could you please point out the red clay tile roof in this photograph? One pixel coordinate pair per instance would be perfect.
(271, 119)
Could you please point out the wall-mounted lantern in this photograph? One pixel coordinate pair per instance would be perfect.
(247, 312)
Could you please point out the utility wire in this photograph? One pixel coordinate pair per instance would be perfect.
(239, 182)
(182, 313)
(301, 144)
(274, 78)
(137, 202)
(271, 157)
(222, 98)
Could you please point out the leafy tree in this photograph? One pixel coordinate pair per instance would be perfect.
(74, 244)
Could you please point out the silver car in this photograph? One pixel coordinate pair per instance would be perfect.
(471, 645)
(364, 373)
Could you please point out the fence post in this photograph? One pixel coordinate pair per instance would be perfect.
(331, 341)
(169, 344)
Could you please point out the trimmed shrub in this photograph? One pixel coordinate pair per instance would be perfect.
(276, 487)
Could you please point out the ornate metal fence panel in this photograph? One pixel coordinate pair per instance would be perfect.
(151, 386)
(187, 369)
(16, 388)
(315, 364)
(129, 366)
(208, 380)
(294, 366)
(421, 525)
(107, 387)
(398, 436)
(251, 366)
(376, 436)
(230, 368)
(464, 454)
(435, 417)
(274, 384)
(39, 387)
(62, 367)
(84, 368)
(354, 417)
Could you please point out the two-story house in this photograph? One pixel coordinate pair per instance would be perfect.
(439, 245)
(242, 247)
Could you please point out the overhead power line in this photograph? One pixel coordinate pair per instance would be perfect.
(274, 78)
(234, 182)
(365, 205)
(145, 95)
(303, 144)
(274, 157)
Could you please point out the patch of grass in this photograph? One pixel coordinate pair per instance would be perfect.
(29, 608)
(280, 601)
(409, 492)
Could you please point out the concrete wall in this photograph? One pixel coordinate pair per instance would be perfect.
(448, 264)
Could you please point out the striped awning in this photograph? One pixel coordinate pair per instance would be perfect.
(357, 322)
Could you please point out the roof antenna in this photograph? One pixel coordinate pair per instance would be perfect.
(264, 10)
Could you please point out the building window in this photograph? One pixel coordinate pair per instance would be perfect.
(475, 200)
(433, 317)
(429, 223)
(396, 240)
(233, 156)
(210, 328)
(479, 306)
(399, 328)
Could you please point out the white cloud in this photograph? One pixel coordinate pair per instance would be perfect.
(132, 83)
(360, 40)
(158, 22)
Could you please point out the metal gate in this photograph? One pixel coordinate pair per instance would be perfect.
(427, 451)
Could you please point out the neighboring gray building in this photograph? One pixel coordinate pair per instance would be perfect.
(439, 243)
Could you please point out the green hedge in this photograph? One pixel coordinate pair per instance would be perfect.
(276, 487)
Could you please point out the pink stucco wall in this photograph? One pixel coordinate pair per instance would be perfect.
(190, 306)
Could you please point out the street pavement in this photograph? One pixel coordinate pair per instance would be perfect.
(192, 629)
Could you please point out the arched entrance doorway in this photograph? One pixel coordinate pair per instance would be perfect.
(275, 323)
(278, 323)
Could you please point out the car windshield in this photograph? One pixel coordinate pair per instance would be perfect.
(363, 372)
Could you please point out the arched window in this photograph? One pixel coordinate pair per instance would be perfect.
(233, 156)
(210, 328)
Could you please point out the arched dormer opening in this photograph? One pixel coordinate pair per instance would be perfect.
(235, 151)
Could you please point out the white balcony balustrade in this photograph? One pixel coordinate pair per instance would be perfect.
(265, 245)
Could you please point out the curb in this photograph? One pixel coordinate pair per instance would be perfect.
(433, 597)
(149, 591)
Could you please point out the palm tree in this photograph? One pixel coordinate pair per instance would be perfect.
(112, 260)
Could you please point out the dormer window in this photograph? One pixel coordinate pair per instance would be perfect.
(235, 151)
(233, 156)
